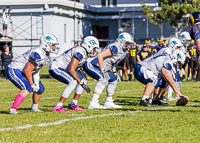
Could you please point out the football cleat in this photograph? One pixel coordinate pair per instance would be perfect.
(110, 104)
(95, 105)
(75, 107)
(59, 109)
(13, 111)
(36, 110)
(146, 103)
(163, 98)
(177, 97)
(171, 99)
(159, 102)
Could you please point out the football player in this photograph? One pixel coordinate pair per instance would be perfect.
(149, 48)
(185, 39)
(99, 68)
(193, 22)
(150, 71)
(133, 59)
(24, 72)
(66, 69)
(143, 54)
(174, 43)
(159, 46)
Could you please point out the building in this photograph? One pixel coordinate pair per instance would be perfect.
(73, 20)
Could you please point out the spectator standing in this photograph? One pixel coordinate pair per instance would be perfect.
(5, 16)
(7, 58)
(143, 54)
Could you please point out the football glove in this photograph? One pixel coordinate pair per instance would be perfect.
(82, 72)
(105, 74)
(35, 87)
(84, 86)
(117, 76)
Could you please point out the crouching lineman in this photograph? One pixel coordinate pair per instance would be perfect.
(24, 72)
(64, 69)
(151, 70)
(99, 68)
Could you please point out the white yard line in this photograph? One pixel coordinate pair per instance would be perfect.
(78, 118)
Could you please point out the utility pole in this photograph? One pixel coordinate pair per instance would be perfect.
(74, 21)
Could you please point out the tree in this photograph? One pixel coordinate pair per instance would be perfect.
(172, 11)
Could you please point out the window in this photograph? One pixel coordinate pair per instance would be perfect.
(105, 3)
(114, 2)
(65, 33)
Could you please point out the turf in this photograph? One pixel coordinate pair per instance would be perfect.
(132, 123)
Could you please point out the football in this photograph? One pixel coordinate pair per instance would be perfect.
(182, 101)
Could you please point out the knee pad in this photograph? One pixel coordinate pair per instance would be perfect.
(111, 87)
(101, 84)
(41, 90)
(68, 90)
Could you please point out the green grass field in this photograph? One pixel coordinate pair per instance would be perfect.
(130, 124)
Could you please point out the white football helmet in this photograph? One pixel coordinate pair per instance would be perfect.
(184, 37)
(125, 38)
(48, 40)
(174, 43)
(90, 43)
(178, 56)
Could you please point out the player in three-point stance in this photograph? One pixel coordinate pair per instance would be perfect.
(161, 64)
(24, 72)
(66, 69)
(99, 68)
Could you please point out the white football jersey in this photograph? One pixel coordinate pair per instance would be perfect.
(118, 54)
(158, 61)
(37, 54)
(64, 60)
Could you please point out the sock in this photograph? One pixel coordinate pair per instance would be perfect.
(18, 100)
(95, 97)
(169, 93)
(35, 106)
(121, 77)
(145, 97)
(130, 76)
(59, 104)
(152, 95)
(108, 98)
(74, 102)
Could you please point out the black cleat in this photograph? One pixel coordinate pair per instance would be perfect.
(163, 98)
(159, 102)
(145, 103)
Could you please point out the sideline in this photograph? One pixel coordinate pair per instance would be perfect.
(78, 118)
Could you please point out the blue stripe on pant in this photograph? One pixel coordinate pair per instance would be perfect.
(140, 76)
(63, 75)
(94, 72)
(20, 81)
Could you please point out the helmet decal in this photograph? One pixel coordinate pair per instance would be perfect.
(48, 38)
(182, 36)
(179, 56)
(174, 42)
(93, 42)
(121, 36)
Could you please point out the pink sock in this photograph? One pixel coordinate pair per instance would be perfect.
(18, 100)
